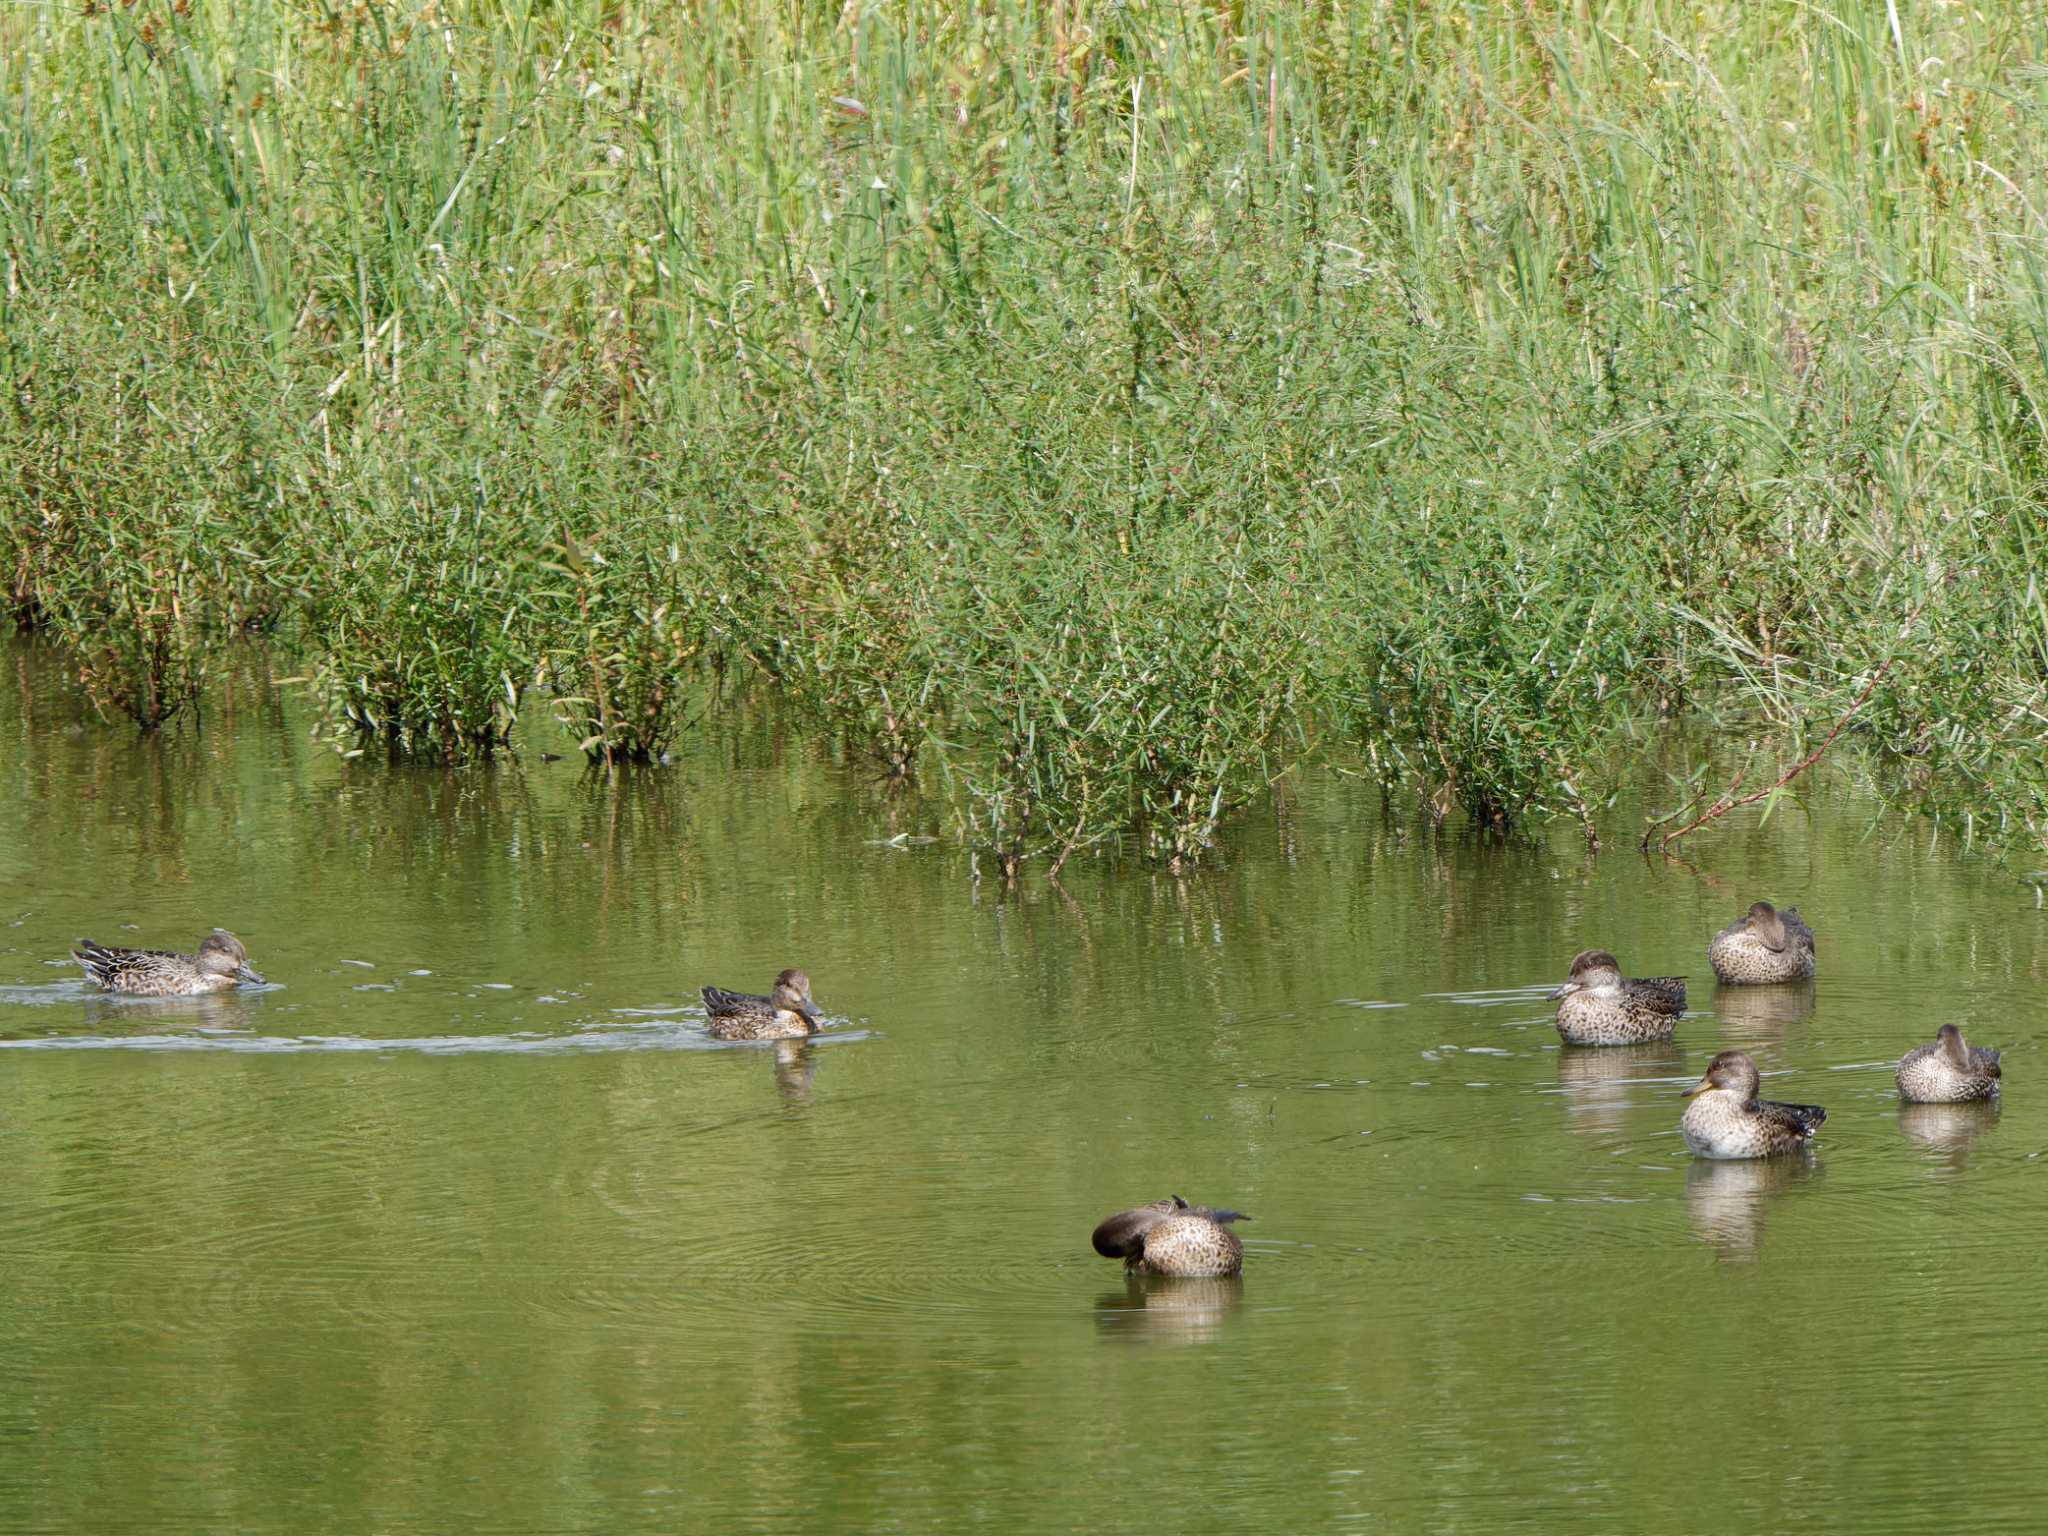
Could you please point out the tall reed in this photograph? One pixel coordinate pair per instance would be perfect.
(1085, 410)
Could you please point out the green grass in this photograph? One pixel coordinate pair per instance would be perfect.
(1087, 410)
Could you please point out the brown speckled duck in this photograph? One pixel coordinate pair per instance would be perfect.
(1761, 946)
(1600, 1006)
(1171, 1237)
(786, 1013)
(1727, 1119)
(1950, 1071)
(220, 965)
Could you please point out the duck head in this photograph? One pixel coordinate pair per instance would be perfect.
(792, 994)
(1121, 1235)
(1762, 920)
(1729, 1072)
(1956, 1050)
(1592, 970)
(222, 955)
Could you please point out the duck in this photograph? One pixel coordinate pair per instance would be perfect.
(1171, 1237)
(1726, 1119)
(1600, 1006)
(1763, 945)
(786, 1013)
(220, 965)
(1950, 1071)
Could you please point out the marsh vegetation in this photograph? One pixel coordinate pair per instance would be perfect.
(1087, 410)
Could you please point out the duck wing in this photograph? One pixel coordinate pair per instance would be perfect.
(719, 1001)
(1660, 994)
(103, 962)
(1984, 1059)
(1803, 1118)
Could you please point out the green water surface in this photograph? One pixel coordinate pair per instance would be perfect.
(465, 1224)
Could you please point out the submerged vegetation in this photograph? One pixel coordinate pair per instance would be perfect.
(1084, 408)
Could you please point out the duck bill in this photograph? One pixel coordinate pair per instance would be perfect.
(811, 1015)
(244, 973)
(1564, 991)
(1697, 1089)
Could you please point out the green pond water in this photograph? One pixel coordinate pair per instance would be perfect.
(464, 1223)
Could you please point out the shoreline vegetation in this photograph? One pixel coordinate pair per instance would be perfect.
(1088, 410)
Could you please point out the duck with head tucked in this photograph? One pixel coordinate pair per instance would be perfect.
(1762, 946)
(1171, 1237)
(1950, 1071)
(1727, 1119)
(786, 1013)
(1600, 1006)
(220, 965)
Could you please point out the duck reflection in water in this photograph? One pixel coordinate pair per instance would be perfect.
(1763, 1013)
(201, 1010)
(1164, 1309)
(1726, 1201)
(1946, 1130)
(1599, 1084)
(795, 1065)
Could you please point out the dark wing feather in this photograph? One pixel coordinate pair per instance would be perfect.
(1224, 1217)
(99, 961)
(114, 954)
(1985, 1059)
(718, 1000)
(1803, 1118)
(1123, 1234)
(102, 961)
(1661, 994)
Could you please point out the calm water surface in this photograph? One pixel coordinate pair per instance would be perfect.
(465, 1223)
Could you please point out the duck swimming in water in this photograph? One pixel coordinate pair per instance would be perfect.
(1727, 1119)
(1171, 1237)
(1761, 946)
(1600, 1006)
(1950, 1071)
(220, 965)
(786, 1013)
